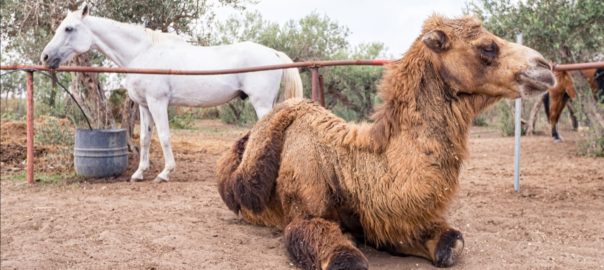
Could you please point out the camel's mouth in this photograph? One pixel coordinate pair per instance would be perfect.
(535, 81)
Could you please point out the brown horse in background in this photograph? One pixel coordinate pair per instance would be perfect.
(595, 77)
(558, 96)
(556, 99)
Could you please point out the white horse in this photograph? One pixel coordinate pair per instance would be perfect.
(131, 45)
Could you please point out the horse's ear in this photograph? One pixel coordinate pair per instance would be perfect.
(85, 10)
(436, 40)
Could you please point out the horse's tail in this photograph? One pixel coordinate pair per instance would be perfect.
(292, 83)
(546, 100)
(247, 173)
(599, 80)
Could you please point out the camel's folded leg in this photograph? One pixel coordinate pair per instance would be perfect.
(320, 244)
(441, 244)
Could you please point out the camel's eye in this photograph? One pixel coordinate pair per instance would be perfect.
(490, 50)
(68, 29)
(488, 53)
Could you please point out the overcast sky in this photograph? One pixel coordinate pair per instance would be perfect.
(396, 23)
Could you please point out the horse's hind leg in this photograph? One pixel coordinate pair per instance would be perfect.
(159, 111)
(573, 117)
(320, 244)
(557, 105)
(262, 91)
(146, 124)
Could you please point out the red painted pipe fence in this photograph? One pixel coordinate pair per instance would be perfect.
(316, 80)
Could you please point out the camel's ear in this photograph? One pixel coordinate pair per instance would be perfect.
(436, 40)
(85, 10)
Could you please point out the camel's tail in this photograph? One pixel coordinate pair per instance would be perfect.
(291, 81)
(227, 164)
(248, 172)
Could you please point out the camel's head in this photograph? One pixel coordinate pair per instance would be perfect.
(71, 37)
(471, 60)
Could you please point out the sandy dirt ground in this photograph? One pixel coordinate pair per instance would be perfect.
(554, 222)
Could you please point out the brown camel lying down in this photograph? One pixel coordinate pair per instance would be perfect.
(387, 183)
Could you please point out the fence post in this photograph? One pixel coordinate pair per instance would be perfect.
(30, 126)
(314, 72)
(321, 91)
(517, 129)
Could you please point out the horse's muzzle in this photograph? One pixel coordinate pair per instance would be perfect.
(51, 62)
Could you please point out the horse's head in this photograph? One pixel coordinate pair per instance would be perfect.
(474, 61)
(71, 37)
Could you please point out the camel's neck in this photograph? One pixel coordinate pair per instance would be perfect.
(120, 42)
(422, 131)
(419, 110)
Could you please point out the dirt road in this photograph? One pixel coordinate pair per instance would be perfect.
(554, 222)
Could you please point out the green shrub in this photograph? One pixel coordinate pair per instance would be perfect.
(593, 145)
(181, 119)
(505, 119)
(238, 112)
(53, 131)
(12, 116)
(58, 136)
(480, 120)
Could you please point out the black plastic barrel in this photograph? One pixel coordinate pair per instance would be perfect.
(100, 152)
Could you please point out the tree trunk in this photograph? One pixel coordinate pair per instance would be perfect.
(512, 106)
(235, 111)
(530, 129)
(91, 94)
(129, 114)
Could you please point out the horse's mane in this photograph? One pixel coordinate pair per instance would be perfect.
(155, 36)
(158, 37)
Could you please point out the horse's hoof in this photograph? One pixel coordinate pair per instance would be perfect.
(159, 180)
(349, 259)
(557, 140)
(448, 249)
(136, 179)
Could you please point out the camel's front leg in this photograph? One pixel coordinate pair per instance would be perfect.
(159, 111)
(441, 244)
(320, 244)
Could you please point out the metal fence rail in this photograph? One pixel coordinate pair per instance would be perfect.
(316, 82)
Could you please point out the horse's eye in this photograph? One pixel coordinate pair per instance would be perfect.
(68, 29)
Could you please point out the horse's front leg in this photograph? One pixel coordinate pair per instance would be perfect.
(146, 125)
(320, 244)
(159, 111)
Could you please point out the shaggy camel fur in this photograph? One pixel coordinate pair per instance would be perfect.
(386, 183)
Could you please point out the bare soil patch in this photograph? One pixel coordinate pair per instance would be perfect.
(554, 222)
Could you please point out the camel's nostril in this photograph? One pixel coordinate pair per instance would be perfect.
(45, 57)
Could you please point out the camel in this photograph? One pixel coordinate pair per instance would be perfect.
(327, 183)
